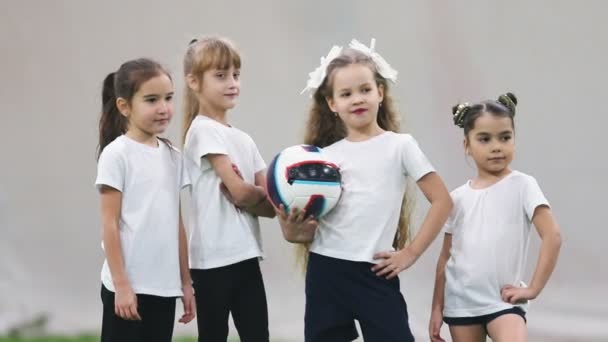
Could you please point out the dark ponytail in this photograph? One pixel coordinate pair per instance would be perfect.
(112, 123)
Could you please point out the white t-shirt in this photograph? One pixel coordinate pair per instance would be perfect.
(490, 232)
(220, 234)
(150, 179)
(365, 219)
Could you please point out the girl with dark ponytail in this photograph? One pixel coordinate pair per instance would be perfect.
(139, 178)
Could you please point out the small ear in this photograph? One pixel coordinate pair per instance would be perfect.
(193, 82)
(331, 103)
(381, 92)
(465, 145)
(123, 106)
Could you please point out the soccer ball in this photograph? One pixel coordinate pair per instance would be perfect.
(303, 177)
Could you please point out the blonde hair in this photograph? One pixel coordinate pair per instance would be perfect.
(324, 128)
(202, 55)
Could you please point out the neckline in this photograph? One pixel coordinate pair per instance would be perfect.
(368, 139)
(491, 185)
(205, 117)
(142, 145)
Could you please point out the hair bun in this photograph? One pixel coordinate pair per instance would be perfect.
(512, 97)
(459, 112)
(509, 100)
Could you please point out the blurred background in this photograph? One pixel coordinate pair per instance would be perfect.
(551, 53)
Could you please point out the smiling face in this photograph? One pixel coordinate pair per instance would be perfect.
(491, 143)
(218, 89)
(355, 97)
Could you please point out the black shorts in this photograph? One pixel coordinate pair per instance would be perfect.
(484, 319)
(338, 292)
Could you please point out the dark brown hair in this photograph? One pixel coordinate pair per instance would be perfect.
(465, 114)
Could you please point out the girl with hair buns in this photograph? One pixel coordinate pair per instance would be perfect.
(479, 288)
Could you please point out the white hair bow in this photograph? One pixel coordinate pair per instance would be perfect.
(318, 75)
(383, 67)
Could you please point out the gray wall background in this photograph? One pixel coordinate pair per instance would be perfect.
(551, 54)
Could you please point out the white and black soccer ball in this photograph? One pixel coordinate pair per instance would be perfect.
(303, 177)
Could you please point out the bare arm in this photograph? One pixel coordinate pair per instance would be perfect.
(548, 230)
(263, 207)
(184, 267)
(441, 204)
(188, 298)
(242, 193)
(435, 191)
(125, 303)
(439, 290)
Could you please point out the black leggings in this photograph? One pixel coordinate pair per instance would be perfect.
(157, 314)
(236, 289)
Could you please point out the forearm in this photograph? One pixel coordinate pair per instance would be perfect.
(242, 193)
(114, 255)
(439, 289)
(248, 195)
(263, 208)
(431, 226)
(183, 255)
(547, 260)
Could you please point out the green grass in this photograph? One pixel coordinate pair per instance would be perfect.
(50, 339)
(84, 338)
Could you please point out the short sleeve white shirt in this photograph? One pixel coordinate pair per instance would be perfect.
(220, 234)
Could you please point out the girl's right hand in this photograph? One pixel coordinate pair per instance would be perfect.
(189, 305)
(435, 326)
(297, 227)
(125, 304)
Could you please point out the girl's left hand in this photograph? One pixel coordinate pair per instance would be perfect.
(189, 305)
(394, 262)
(517, 295)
